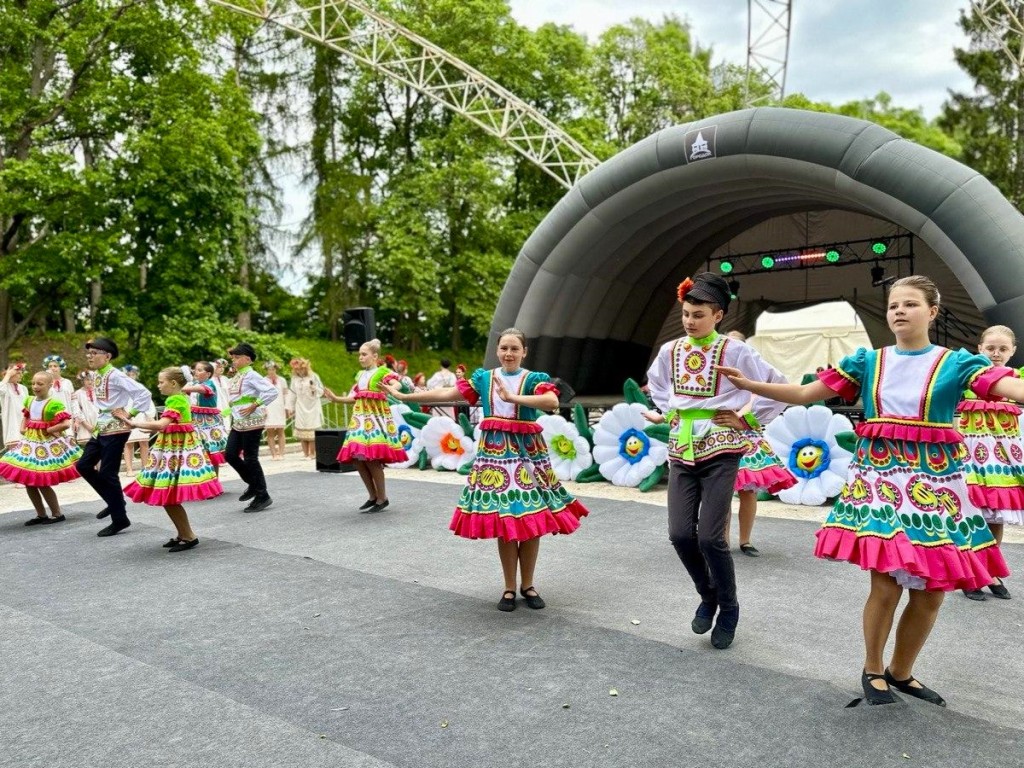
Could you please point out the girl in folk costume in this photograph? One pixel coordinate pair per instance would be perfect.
(179, 467)
(512, 494)
(12, 399)
(63, 389)
(706, 442)
(995, 453)
(306, 391)
(905, 513)
(206, 415)
(220, 381)
(372, 438)
(760, 470)
(278, 412)
(85, 411)
(44, 457)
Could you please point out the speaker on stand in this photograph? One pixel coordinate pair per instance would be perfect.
(328, 443)
(358, 326)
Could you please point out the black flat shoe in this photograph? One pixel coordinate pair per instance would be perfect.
(378, 507)
(367, 504)
(999, 590)
(534, 601)
(508, 601)
(874, 695)
(61, 519)
(704, 618)
(259, 504)
(906, 686)
(974, 594)
(750, 550)
(248, 494)
(725, 628)
(102, 514)
(112, 530)
(38, 521)
(181, 546)
(172, 543)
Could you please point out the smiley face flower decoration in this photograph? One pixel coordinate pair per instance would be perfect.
(409, 424)
(446, 443)
(568, 449)
(805, 440)
(627, 454)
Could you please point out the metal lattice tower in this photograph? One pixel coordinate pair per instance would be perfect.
(768, 25)
(351, 28)
(1004, 21)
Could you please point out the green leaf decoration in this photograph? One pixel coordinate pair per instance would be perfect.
(591, 474)
(634, 394)
(847, 440)
(424, 461)
(579, 418)
(415, 419)
(466, 468)
(657, 431)
(652, 479)
(466, 426)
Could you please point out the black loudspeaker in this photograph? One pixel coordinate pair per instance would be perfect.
(565, 391)
(359, 327)
(328, 442)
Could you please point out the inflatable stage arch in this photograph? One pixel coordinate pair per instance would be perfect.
(594, 286)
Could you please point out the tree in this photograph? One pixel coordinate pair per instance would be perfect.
(989, 123)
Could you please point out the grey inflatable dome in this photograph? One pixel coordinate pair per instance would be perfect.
(594, 286)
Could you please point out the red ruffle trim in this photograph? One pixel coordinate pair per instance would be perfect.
(544, 387)
(944, 568)
(217, 459)
(367, 394)
(914, 432)
(31, 479)
(982, 385)
(161, 497)
(472, 525)
(197, 409)
(839, 384)
(996, 499)
(170, 413)
(40, 424)
(358, 452)
(771, 479)
(178, 427)
(988, 406)
(467, 391)
(511, 425)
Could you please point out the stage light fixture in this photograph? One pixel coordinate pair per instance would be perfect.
(726, 267)
(879, 247)
(832, 256)
(767, 262)
(734, 288)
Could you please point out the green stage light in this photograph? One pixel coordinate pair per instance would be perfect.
(832, 256)
(879, 247)
(767, 262)
(726, 267)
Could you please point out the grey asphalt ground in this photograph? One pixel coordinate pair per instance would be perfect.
(312, 635)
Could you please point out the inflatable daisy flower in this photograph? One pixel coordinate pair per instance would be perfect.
(569, 451)
(408, 435)
(805, 441)
(625, 453)
(446, 443)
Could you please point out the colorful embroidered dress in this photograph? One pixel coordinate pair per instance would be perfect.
(207, 419)
(513, 492)
(905, 509)
(760, 467)
(179, 468)
(372, 434)
(38, 459)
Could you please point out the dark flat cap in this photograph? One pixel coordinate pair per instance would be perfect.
(103, 344)
(243, 349)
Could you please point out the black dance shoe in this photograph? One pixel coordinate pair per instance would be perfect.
(907, 686)
(181, 546)
(974, 594)
(508, 601)
(260, 503)
(103, 513)
(534, 601)
(999, 590)
(39, 521)
(113, 529)
(250, 493)
(367, 504)
(703, 618)
(874, 695)
(725, 628)
(172, 543)
(378, 507)
(750, 550)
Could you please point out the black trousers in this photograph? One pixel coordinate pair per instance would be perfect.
(243, 454)
(106, 451)
(699, 504)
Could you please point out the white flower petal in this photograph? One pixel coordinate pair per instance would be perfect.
(818, 419)
(605, 453)
(812, 494)
(839, 423)
(795, 420)
(611, 466)
(831, 483)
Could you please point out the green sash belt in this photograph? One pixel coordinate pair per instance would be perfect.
(684, 434)
(244, 400)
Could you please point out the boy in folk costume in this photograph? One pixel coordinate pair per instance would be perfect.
(704, 446)
(119, 399)
(249, 395)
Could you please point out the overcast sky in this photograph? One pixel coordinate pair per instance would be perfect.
(839, 51)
